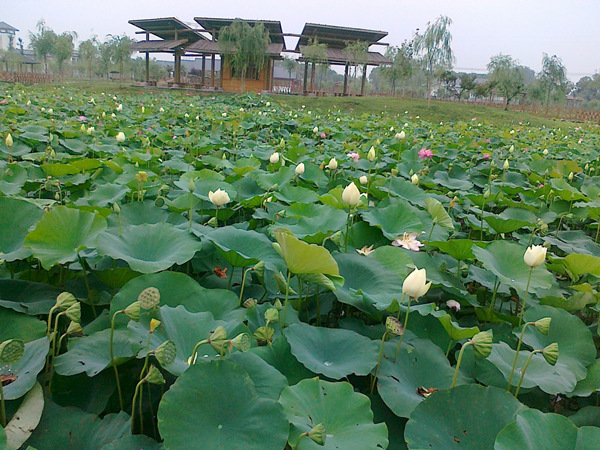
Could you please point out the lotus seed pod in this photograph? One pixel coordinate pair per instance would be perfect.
(263, 335)
(218, 340)
(149, 298)
(272, 315)
(249, 303)
(241, 342)
(74, 312)
(393, 326)
(317, 434)
(482, 344)
(11, 351)
(74, 328)
(133, 311)
(394, 172)
(159, 202)
(154, 324)
(141, 176)
(65, 300)
(543, 325)
(154, 376)
(259, 269)
(166, 353)
(550, 353)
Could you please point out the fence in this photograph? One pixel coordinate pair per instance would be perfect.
(25, 77)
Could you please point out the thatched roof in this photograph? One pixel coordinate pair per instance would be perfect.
(337, 37)
(165, 46)
(214, 25)
(168, 28)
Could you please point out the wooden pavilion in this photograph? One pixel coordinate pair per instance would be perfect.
(336, 40)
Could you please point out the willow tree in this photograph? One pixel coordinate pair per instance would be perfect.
(314, 53)
(244, 47)
(42, 42)
(63, 48)
(553, 77)
(88, 52)
(433, 46)
(506, 73)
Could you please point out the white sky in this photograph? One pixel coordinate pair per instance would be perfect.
(481, 28)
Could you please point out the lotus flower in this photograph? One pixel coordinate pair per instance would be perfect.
(219, 197)
(535, 255)
(415, 285)
(351, 195)
(332, 164)
(274, 159)
(425, 153)
(299, 169)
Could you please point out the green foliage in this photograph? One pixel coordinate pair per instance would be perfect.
(508, 78)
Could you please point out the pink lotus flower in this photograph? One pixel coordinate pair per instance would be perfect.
(425, 153)
(323, 135)
(82, 119)
(488, 141)
(453, 304)
(408, 241)
(486, 156)
(355, 156)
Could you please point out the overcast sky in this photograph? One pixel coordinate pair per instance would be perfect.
(481, 28)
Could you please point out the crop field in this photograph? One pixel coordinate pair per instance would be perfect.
(244, 272)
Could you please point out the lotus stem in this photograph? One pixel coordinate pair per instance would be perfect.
(429, 237)
(195, 351)
(318, 308)
(524, 369)
(243, 283)
(378, 362)
(231, 277)
(2, 407)
(285, 305)
(191, 214)
(298, 441)
(347, 231)
(512, 370)
(458, 361)
(410, 299)
(135, 395)
(87, 284)
(112, 360)
(525, 296)
(493, 301)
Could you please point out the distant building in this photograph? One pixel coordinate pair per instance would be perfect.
(7, 33)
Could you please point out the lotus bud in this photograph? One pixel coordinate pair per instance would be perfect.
(371, 155)
(263, 335)
(161, 109)
(414, 284)
(50, 111)
(333, 164)
(511, 149)
(482, 344)
(272, 315)
(9, 140)
(282, 142)
(363, 180)
(154, 376)
(65, 300)
(393, 326)
(351, 195)
(141, 176)
(315, 130)
(400, 135)
(11, 351)
(149, 298)
(414, 179)
(277, 303)
(74, 328)
(543, 325)
(535, 255)
(90, 130)
(394, 172)
(241, 342)
(571, 176)
(82, 128)
(506, 165)
(165, 353)
(545, 152)
(103, 114)
(550, 353)
(120, 107)
(317, 434)
(299, 169)
(274, 158)
(587, 167)
(28, 103)
(143, 110)
(219, 197)
(116, 208)
(486, 194)
(120, 136)
(52, 153)
(154, 324)
(250, 303)
(192, 185)
(74, 312)
(133, 311)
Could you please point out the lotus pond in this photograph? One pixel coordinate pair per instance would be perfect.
(183, 271)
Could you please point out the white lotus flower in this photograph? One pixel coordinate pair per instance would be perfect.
(363, 180)
(120, 136)
(299, 169)
(351, 195)
(274, 159)
(415, 285)
(535, 255)
(219, 197)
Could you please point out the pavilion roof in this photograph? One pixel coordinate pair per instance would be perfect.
(337, 37)
(167, 27)
(212, 47)
(214, 25)
(338, 56)
(166, 46)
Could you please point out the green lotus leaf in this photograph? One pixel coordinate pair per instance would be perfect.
(268, 381)
(534, 429)
(27, 368)
(587, 416)
(62, 233)
(438, 213)
(105, 195)
(67, 427)
(455, 331)
(420, 364)
(311, 222)
(394, 220)
(178, 289)
(12, 179)
(279, 355)
(150, 248)
(459, 249)
(501, 225)
(369, 285)
(591, 383)
(20, 326)
(333, 352)
(227, 415)
(301, 257)
(91, 354)
(134, 442)
(579, 264)
(13, 211)
(243, 248)
(458, 416)
(505, 260)
(346, 416)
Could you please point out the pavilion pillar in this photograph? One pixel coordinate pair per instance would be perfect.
(305, 76)
(346, 69)
(203, 68)
(212, 70)
(147, 67)
(364, 81)
(312, 77)
(177, 74)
